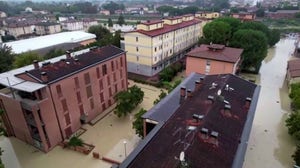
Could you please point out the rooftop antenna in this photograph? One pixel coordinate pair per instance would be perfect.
(219, 92)
(181, 156)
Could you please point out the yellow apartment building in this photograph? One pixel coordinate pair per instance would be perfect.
(158, 43)
(207, 15)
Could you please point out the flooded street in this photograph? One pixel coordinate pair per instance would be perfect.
(269, 145)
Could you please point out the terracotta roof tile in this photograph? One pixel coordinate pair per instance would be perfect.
(168, 28)
(217, 52)
(294, 68)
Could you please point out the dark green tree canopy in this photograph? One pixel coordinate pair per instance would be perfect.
(110, 23)
(121, 20)
(6, 58)
(26, 58)
(99, 31)
(217, 32)
(138, 124)
(112, 7)
(254, 44)
(233, 23)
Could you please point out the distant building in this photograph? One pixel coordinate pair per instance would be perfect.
(45, 103)
(104, 12)
(207, 15)
(282, 14)
(158, 43)
(204, 122)
(213, 59)
(244, 16)
(20, 29)
(45, 28)
(73, 25)
(41, 42)
(87, 23)
(293, 71)
(2, 14)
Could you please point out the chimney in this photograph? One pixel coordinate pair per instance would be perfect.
(44, 77)
(210, 99)
(227, 109)
(248, 102)
(214, 137)
(182, 94)
(36, 64)
(68, 54)
(197, 85)
(204, 133)
(189, 93)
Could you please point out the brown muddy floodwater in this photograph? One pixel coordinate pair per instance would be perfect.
(270, 146)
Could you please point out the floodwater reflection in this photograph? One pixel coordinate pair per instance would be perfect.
(269, 144)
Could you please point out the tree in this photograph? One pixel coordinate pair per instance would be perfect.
(112, 7)
(160, 96)
(6, 58)
(190, 10)
(138, 124)
(116, 39)
(26, 59)
(295, 96)
(274, 37)
(54, 53)
(99, 31)
(296, 155)
(233, 23)
(121, 20)
(255, 47)
(75, 141)
(292, 123)
(260, 27)
(110, 23)
(260, 12)
(217, 32)
(128, 100)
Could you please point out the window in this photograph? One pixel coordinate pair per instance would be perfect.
(116, 88)
(154, 49)
(39, 92)
(58, 90)
(104, 69)
(108, 80)
(112, 65)
(92, 103)
(98, 72)
(121, 73)
(137, 58)
(115, 77)
(67, 118)
(81, 109)
(155, 58)
(109, 90)
(117, 64)
(78, 97)
(136, 39)
(123, 84)
(87, 79)
(103, 106)
(101, 84)
(76, 82)
(121, 61)
(89, 91)
(207, 67)
(64, 105)
(101, 97)
(137, 49)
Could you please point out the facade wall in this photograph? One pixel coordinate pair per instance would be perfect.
(199, 65)
(155, 52)
(93, 100)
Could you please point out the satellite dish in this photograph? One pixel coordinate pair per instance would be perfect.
(181, 157)
(219, 92)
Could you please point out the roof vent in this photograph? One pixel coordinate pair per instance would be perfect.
(76, 59)
(63, 59)
(191, 128)
(226, 102)
(213, 85)
(68, 62)
(209, 97)
(198, 117)
(204, 130)
(214, 134)
(227, 106)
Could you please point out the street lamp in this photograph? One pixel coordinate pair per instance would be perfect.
(124, 142)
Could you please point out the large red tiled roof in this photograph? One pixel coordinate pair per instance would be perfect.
(168, 28)
(294, 68)
(177, 135)
(217, 52)
(66, 67)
